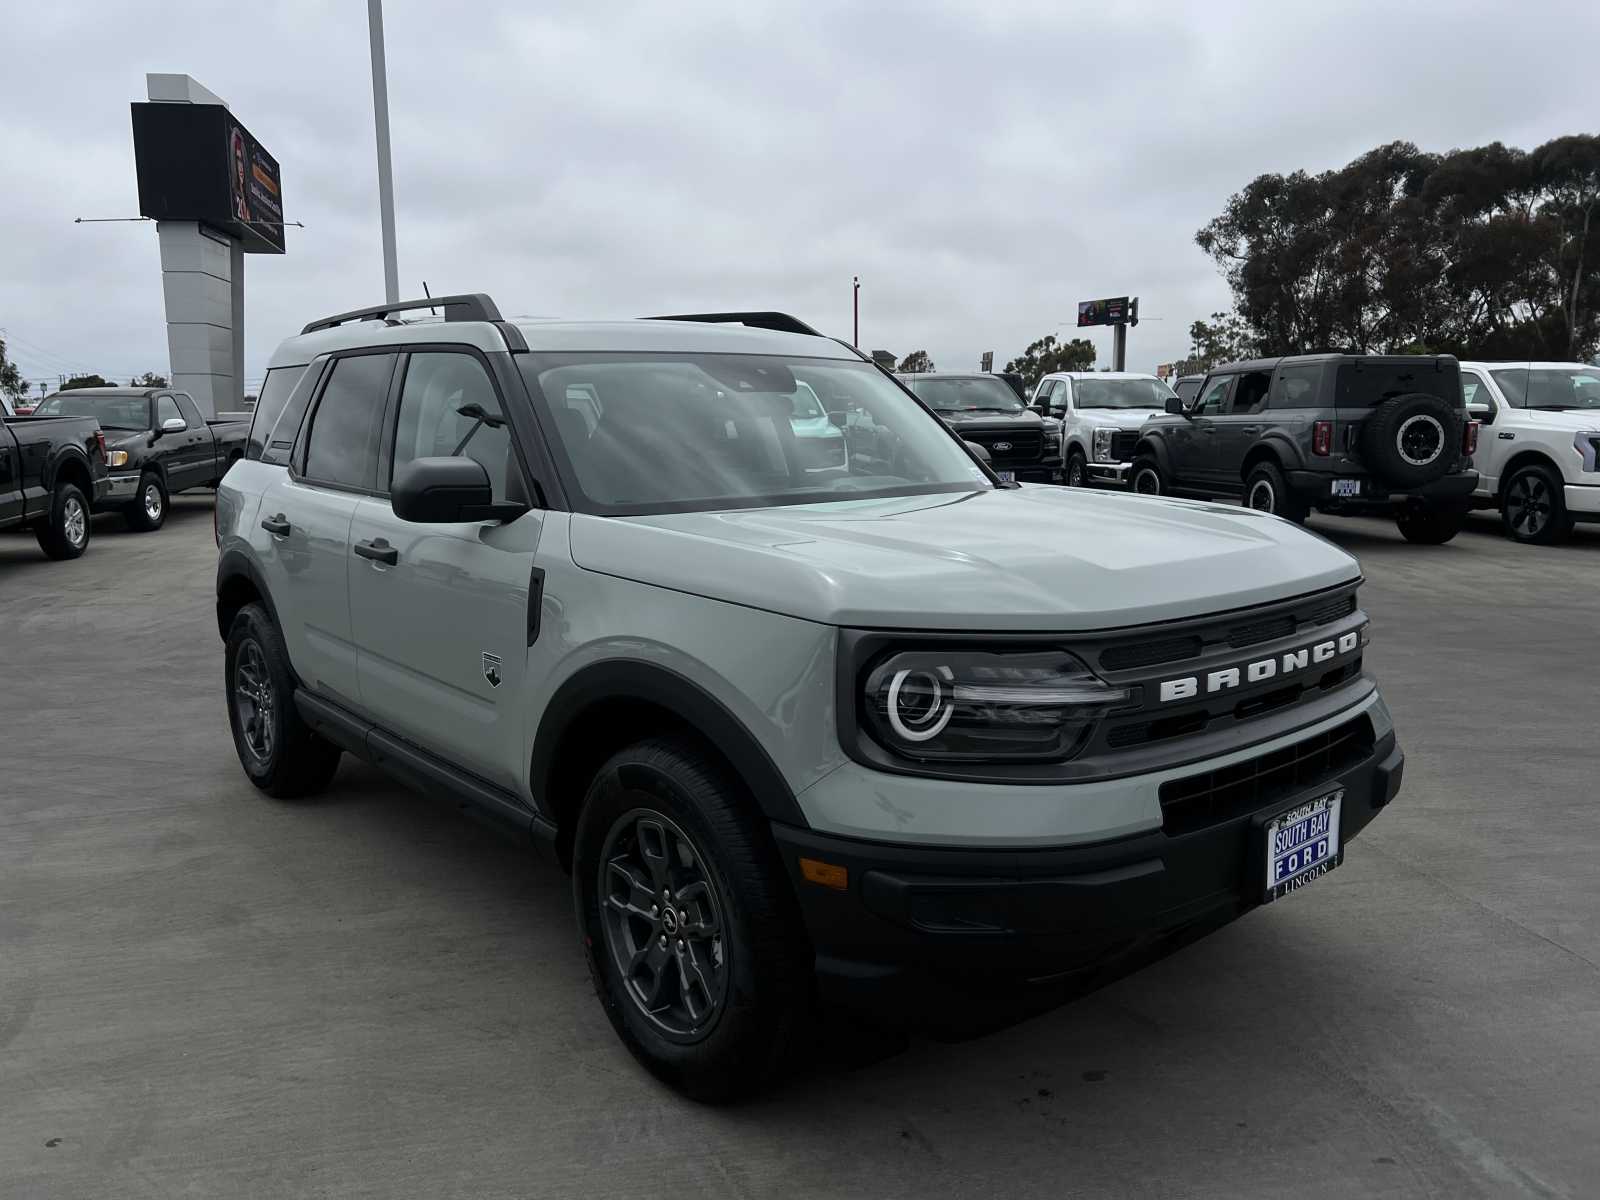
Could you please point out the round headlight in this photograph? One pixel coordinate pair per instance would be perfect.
(920, 703)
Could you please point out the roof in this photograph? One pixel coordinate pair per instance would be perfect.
(1099, 375)
(556, 336)
(109, 391)
(1529, 364)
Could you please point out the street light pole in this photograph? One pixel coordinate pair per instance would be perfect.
(380, 113)
(855, 294)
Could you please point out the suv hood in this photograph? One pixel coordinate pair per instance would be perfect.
(966, 422)
(1033, 558)
(1117, 418)
(1573, 420)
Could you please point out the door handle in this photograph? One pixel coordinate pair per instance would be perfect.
(278, 525)
(1251, 431)
(378, 550)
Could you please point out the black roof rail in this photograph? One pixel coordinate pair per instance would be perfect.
(776, 321)
(474, 306)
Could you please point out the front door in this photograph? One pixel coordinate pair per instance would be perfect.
(1194, 439)
(441, 611)
(1238, 428)
(302, 532)
(200, 444)
(1493, 449)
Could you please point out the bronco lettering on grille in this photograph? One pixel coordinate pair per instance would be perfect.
(1261, 669)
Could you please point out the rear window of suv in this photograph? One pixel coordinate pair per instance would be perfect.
(1367, 385)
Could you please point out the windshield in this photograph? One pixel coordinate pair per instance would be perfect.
(113, 412)
(984, 394)
(646, 433)
(804, 406)
(1121, 393)
(1555, 388)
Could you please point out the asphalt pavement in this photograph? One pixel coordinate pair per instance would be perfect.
(205, 992)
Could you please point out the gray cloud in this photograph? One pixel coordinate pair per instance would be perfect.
(982, 166)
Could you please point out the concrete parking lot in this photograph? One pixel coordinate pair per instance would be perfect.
(205, 992)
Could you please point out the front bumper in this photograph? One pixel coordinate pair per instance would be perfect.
(120, 489)
(963, 937)
(1317, 487)
(1109, 472)
(1035, 470)
(1583, 500)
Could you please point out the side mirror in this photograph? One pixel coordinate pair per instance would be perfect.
(1175, 406)
(1481, 412)
(1040, 407)
(173, 425)
(981, 453)
(838, 419)
(432, 491)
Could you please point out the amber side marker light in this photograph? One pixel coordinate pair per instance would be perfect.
(825, 874)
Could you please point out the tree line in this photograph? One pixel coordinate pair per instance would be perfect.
(1490, 252)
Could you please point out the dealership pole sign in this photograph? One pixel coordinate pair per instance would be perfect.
(1103, 312)
(196, 162)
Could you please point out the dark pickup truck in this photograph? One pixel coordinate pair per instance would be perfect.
(52, 471)
(987, 411)
(157, 445)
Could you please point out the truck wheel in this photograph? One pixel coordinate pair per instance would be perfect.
(1430, 524)
(1147, 478)
(65, 532)
(148, 512)
(1534, 507)
(278, 751)
(1077, 470)
(693, 939)
(1266, 490)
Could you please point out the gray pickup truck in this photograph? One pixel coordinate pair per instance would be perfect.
(157, 445)
(834, 738)
(52, 471)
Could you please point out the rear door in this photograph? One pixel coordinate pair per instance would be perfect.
(443, 627)
(303, 539)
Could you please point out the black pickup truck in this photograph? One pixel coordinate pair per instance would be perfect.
(52, 472)
(157, 445)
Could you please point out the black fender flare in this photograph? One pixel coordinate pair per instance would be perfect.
(235, 564)
(634, 679)
(1277, 445)
(1154, 443)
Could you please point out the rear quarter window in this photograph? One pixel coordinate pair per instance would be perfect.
(1367, 385)
(266, 442)
(1296, 387)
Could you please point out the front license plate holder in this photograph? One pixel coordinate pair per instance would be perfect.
(1345, 488)
(1006, 476)
(1297, 843)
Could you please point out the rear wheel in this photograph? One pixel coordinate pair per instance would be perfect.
(64, 533)
(148, 512)
(1534, 507)
(1266, 490)
(1077, 469)
(278, 751)
(1147, 477)
(693, 941)
(1430, 525)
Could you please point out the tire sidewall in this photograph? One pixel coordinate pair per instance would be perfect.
(1556, 524)
(138, 517)
(1381, 439)
(1148, 467)
(1076, 461)
(52, 536)
(252, 624)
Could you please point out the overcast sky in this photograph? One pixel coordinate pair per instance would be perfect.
(982, 166)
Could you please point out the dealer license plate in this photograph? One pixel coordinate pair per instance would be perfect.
(1302, 844)
(1007, 476)
(1347, 487)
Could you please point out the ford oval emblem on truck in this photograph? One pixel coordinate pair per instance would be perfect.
(1002, 445)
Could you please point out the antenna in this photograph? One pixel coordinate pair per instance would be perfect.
(429, 295)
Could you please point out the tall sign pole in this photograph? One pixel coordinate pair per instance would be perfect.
(855, 295)
(380, 113)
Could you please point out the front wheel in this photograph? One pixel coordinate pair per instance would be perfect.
(1266, 490)
(1147, 477)
(1077, 469)
(693, 940)
(278, 751)
(65, 532)
(148, 512)
(1430, 525)
(1534, 507)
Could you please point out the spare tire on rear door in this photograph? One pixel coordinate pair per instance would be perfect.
(1411, 440)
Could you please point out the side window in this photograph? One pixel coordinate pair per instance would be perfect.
(448, 407)
(1250, 394)
(1214, 396)
(1295, 387)
(167, 410)
(190, 410)
(274, 398)
(1059, 397)
(341, 446)
(1475, 391)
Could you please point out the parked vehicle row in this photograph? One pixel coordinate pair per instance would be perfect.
(808, 730)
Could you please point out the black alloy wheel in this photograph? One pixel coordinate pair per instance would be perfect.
(254, 701)
(1077, 470)
(1534, 507)
(662, 919)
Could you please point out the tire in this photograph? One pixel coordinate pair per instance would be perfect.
(1266, 490)
(148, 512)
(1534, 507)
(1430, 524)
(1411, 440)
(1146, 478)
(1077, 473)
(277, 750)
(662, 819)
(65, 533)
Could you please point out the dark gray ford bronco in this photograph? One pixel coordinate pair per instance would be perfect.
(1340, 433)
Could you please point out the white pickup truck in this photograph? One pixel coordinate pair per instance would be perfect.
(1536, 455)
(1101, 413)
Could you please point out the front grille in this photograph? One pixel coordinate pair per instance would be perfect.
(1147, 654)
(1257, 632)
(1212, 797)
(1021, 446)
(1122, 444)
(1138, 733)
(1330, 610)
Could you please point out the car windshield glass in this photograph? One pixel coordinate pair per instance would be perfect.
(1550, 387)
(1122, 393)
(987, 394)
(804, 404)
(697, 432)
(113, 412)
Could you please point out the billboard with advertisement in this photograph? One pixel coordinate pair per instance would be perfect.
(1103, 312)
(196, 162)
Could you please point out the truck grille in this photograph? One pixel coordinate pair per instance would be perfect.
(1212, 797)
(1122, 444)
(1021, 446)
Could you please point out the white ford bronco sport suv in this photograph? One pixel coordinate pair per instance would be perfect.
(1537, 453)
(805, 735)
